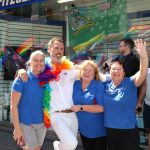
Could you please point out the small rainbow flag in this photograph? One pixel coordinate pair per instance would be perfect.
(25, 46)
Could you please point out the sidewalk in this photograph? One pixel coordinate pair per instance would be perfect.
(7, 142)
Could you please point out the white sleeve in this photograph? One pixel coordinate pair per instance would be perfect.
(105, 77)
(74, 73)
(108, 77)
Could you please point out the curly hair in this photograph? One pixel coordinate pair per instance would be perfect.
(93, 64)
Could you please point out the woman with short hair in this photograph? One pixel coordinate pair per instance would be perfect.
(26, 106)
(120, 101)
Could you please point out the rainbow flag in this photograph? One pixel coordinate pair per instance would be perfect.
(25, 46)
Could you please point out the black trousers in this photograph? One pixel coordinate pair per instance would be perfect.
(122, 139)
(99, 143)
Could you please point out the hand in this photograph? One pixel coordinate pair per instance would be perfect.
(139, 107)
(17, 135)
(76, 108)
(140, 47)
(23, 75)
(138, 104)
(76, 67)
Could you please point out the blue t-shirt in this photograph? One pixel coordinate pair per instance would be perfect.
(91, 125)
(120, 104)
(30, 105)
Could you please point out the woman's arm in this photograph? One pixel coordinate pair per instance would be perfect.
(140, 76)
(87, 108)
(93, 108)
(15, 98)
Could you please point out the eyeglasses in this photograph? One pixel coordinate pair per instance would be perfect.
(123, 45)
(117, 69)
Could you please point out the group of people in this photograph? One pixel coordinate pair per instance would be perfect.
(101, 107)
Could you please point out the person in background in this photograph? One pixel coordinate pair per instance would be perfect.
(87, 96)
(146, 111)
(120, 100)
(132, 65)
(26, 106)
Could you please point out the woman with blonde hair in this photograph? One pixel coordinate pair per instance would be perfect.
(87, 96)
(26, 106)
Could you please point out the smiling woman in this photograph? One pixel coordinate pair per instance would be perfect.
(28, 122)
(36, 62)
(117, 72)
(87, 96)
(120, 100)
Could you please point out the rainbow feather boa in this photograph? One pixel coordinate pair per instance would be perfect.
(51, 73)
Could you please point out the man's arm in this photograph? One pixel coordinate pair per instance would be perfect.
(22, 73)
(142, 94)
(104, 77)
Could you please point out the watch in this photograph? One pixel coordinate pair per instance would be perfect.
(81, 108)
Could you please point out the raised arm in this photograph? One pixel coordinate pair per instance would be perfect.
(140, 76)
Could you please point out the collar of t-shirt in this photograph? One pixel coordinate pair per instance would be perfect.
(90, 86)
(129, 55)
(31, 75)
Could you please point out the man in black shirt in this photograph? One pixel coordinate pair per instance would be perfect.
(132, 65)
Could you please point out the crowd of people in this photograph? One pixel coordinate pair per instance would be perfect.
(102, 107)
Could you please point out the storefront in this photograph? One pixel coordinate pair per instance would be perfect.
(25, 26)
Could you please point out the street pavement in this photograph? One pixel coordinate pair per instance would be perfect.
(7, 142)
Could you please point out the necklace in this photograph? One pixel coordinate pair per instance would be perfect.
(51, 73)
